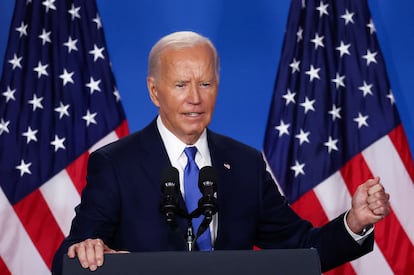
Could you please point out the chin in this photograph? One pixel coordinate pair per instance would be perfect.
(195, 131)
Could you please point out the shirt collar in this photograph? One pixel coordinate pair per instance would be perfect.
(175, 146)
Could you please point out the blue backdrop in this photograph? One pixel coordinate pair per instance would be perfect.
(248, 35)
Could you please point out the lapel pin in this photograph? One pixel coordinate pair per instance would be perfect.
(227, 166)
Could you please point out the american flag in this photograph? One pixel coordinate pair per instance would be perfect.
(333, 124)
(58, 102)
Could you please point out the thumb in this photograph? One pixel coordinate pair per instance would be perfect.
(108, 250)
(371, 182)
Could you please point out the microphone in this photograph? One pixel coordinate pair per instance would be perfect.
(170, 187)
(208, 203)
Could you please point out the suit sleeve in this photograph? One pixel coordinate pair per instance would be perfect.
(281, 227)
(98, 212)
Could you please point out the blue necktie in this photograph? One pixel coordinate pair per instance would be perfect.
(192, 196)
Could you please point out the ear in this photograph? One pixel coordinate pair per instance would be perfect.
(152, 89)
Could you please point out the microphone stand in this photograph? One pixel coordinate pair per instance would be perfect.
(190, 235)
(207, 207)
(208, 210)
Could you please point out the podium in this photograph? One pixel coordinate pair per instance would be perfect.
(229, 262)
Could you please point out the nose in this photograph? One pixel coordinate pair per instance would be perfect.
(194, 94)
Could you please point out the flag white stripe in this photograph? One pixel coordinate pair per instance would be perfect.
(269, 169)
(61, 196)
(384, 161)
(111, 137)
(15, 241)
(372, 263)
(333, 195)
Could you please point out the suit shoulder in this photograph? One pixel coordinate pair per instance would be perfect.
(119, 146)
(133, 143)
(227, 143)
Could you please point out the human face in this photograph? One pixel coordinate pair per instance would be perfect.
(185, 90)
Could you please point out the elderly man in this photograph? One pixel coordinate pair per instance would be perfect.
(120, 207)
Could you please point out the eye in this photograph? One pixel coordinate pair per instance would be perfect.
(180, 84)
(205, 84)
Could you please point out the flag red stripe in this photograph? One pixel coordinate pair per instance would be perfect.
(310, 209)
(395, 245)
(77, 171)
(345, 269)
(400, 142)
(390, 236)
(355, 172)
(40, 225)
(122, 130)
(3, 268)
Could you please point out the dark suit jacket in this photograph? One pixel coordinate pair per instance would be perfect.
(121, 204)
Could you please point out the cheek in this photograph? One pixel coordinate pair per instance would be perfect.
(210, 102)
(171, 103)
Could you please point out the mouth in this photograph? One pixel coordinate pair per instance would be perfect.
(192, 114)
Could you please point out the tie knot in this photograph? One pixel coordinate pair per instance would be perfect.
(190, 152)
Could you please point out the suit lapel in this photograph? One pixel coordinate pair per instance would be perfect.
(156, 159)
(155, 156)
(220, 158)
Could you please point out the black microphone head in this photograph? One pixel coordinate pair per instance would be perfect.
(170, 187)
(170, 181)
(207, 183)
(207, 180)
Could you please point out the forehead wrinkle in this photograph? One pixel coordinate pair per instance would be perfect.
(185, 70)
(175, 63)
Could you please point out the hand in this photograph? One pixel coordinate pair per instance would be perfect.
(370, 204)
(90, 253)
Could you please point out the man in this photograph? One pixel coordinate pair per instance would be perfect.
(120, 206)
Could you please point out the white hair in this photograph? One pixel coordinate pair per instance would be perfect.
(178, 40)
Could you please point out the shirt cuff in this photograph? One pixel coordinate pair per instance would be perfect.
(357, 237)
